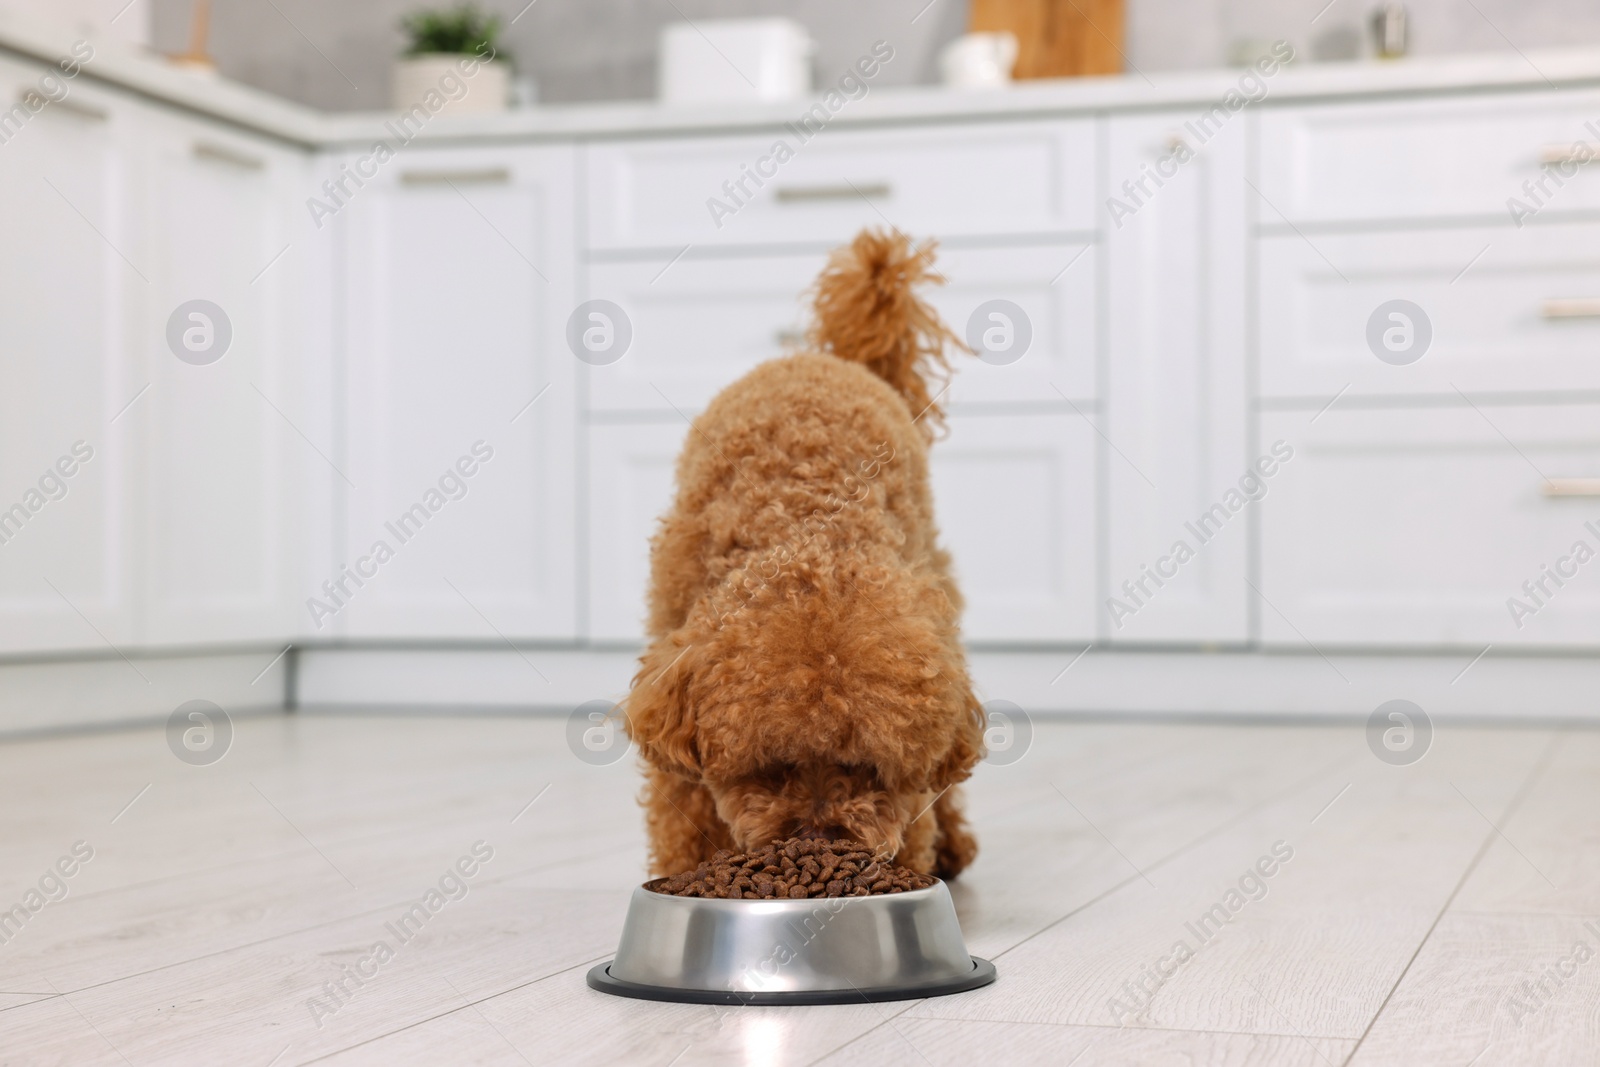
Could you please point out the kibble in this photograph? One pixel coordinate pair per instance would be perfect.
(795, 870)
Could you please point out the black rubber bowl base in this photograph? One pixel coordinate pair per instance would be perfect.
(600, 978)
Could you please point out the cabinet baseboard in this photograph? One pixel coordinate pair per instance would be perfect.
(61, 693)
(1220, 684)
(84, 693)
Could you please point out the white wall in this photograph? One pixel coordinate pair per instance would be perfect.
(1179, 34)
(94, 18)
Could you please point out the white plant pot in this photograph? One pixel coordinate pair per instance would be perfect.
(485, 88)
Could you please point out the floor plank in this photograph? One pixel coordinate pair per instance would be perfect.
(1546, 859)
(1493, 987)
(961, 1042)
(618, 1031)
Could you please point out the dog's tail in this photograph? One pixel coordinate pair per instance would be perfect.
(867, 311)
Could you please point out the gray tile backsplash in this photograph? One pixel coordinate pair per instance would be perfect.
(336, 55)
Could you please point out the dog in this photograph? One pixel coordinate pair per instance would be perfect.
(804, 674)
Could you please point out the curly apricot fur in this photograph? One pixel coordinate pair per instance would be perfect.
(805, 674)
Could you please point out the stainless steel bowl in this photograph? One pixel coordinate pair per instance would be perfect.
(836, 950)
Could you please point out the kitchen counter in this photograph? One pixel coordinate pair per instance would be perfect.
(117, 64)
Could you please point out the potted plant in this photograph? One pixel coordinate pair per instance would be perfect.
(452, 55)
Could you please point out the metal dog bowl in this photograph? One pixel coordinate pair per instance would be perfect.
(838, 950)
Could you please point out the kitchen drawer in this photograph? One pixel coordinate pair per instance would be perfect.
(1524, 317)
(697, 324)
(995, 178)
(1424, 159)
(1414, 527)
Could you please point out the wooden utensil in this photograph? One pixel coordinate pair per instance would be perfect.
(197, 58)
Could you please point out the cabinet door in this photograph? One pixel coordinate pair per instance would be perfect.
(73, 267)
(1014, 494)
(1420, 527)
(697, 324)
(229, 480)
(630, 487)
(1176, 393)
(458, 280)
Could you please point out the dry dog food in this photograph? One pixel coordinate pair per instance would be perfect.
(795, 869)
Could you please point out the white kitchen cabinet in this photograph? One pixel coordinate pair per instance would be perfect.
(458, 286)
(1415, 527)
(75, 270)
(985, 179)
(699, 323)
(1013, 493)
(231, 486)
(1501, 310)
(1428, 159)
(403, 361)
(1176, 398)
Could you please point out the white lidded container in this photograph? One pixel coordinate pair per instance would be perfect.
(724, 60)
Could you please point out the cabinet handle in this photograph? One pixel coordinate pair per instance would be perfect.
(1552, 154)
(1559, 487)
(797, 194)
(1582, 307)
(70, 106)
(486, 176)
(217, 153)
(789, 336)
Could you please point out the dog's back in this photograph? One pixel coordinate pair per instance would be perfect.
(780, 454)
(805, 459)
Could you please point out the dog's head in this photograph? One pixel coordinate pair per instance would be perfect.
(826, 712)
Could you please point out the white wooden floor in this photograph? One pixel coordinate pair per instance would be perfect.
(1415, 905)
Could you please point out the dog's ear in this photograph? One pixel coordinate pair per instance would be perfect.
(659, 717)
(966, 749)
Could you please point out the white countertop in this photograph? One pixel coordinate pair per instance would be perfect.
(117, 64)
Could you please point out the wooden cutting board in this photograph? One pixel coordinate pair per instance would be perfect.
(1058, 38)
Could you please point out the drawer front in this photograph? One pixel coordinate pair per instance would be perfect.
(1507, 310)
(1427, 159)
(697, 324)
(1006, 178)
(1417, 527)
